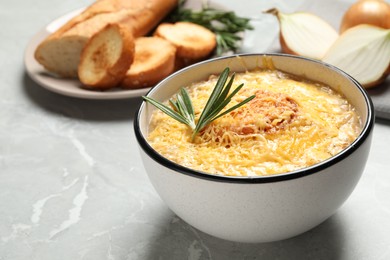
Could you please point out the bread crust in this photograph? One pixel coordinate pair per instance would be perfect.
(140, 17)
(153, 61)
(193, 42)
(106, 57)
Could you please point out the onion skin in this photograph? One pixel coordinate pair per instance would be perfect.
(378, 81)
(374, 12)
(284, 46)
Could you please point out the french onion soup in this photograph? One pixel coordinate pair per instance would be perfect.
(291, 123)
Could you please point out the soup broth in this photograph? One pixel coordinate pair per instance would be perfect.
(292, 123)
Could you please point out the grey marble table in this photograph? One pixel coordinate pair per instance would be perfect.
(72, 185)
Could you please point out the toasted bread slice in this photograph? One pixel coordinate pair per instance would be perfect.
(154, 60)
(192, 41)
(60, 52)
(106, 57)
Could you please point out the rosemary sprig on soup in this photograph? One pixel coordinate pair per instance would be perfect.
(183, 110)
(287, 123)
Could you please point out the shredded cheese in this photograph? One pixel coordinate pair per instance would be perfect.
(292, 123)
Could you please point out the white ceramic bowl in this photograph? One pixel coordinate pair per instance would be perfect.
(258, 209)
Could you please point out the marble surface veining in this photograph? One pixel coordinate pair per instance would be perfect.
(72, 185)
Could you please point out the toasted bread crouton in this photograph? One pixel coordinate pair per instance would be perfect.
(154, 60)
(192, 41)
(106, 57)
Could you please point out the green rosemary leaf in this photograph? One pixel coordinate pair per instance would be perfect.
(188, 103)
(174, 104)
(181, 107)
(223, 103)
(167, 110)
(216, 113)
(235, 91)
(235, 107)
(222, 96)
(184, 105)
(214, 95)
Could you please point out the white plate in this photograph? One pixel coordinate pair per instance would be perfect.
(73, 87)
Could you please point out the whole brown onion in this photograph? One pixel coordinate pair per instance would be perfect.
(374, 12)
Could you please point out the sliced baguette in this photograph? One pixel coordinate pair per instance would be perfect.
(60, 52)
(192, 41)
(154, 60)
(106, 57)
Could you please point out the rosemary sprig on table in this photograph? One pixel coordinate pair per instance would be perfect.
(225, 24)
(183, 111)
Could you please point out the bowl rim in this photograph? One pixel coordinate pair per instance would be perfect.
(299, 173)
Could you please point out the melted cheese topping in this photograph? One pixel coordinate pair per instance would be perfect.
(290, 124)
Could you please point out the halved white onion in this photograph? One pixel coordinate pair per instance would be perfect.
(304, 34)
(363, 52)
